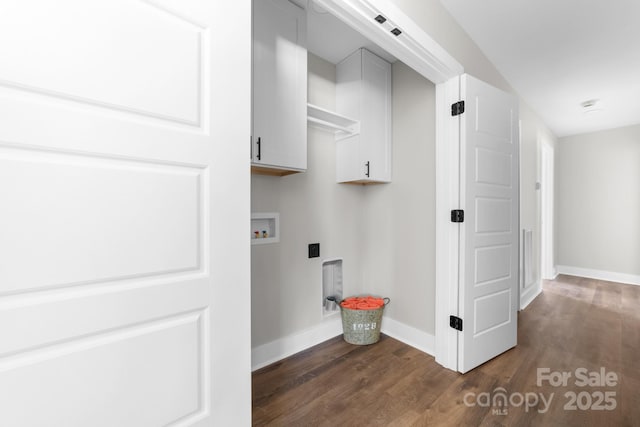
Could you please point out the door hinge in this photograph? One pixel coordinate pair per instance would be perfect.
(457, 215)
(455, 322)
(457, 108)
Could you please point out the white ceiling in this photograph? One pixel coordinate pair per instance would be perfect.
(559, 53)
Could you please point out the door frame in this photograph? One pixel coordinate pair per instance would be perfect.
(419, 51)
(547, 158)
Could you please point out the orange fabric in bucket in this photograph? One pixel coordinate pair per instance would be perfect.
(363, 303)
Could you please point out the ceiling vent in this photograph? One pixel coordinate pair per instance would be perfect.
(590, 106)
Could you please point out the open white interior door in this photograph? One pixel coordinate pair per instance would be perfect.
(124, 181)
(489, 235)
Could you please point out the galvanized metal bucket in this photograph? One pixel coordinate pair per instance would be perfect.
(361, 327)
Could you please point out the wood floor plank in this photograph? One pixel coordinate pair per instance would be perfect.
(458, 404)
(576, 323)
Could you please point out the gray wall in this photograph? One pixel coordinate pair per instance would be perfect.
(399, 250)
(598, 201)
(286, 286)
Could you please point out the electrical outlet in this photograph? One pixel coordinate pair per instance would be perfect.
(314, 250)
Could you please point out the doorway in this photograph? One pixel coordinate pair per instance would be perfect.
(394, 32)
(546, 210)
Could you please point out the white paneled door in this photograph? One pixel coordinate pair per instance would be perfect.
(489, 234)
(124, 183)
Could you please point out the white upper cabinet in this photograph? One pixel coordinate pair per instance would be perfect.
(279, 132)
(363, 92)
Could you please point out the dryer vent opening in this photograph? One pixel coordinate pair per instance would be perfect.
(331, 285)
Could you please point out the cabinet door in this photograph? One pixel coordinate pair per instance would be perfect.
(350, 166)
(279, 85)
(363, 92)
(375, 143)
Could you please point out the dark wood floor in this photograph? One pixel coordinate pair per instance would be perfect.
(575, 323)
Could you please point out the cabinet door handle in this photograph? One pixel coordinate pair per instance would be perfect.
(259, 156)
(368, 169)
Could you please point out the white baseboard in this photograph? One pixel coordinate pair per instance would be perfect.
(530, 294)
(274, 351)
(409, 335)
(610, 276)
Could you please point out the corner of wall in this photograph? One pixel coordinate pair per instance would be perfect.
(409, 335)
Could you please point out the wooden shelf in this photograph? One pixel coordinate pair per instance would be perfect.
(328, 120)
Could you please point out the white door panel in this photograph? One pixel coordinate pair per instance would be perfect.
(492, 263)
(489, 234)
(123, 170)
(499, 173)
(126, 53)
(156, 377)
(160, 202)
